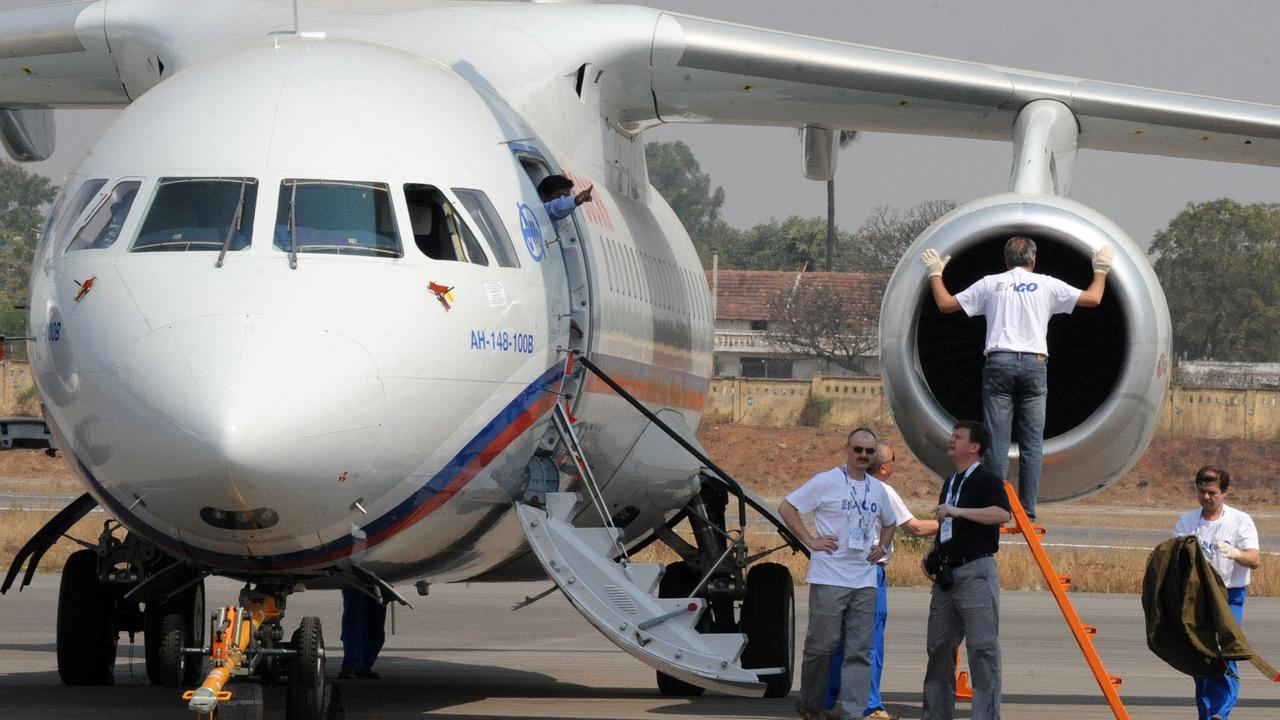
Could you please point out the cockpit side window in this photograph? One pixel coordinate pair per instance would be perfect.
(102, 229)
(438, 230)
(199, 214)
(336, 217)
(486, 218)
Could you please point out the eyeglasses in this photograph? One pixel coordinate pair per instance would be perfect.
(862, 450)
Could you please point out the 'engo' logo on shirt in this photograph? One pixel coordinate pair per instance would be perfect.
(1017, 287)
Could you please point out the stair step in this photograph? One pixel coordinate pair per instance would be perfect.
(618, 600)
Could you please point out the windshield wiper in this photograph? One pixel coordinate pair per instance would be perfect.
(293, 227)
(235, 224)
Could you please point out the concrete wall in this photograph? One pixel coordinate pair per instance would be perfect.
(1213, 414)
(17, 386)
(1188, 412)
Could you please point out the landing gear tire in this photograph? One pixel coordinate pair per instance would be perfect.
(169, 628)
(678, 581)
(306, 692)
(769, 621)
(245, 703)
(86, 628)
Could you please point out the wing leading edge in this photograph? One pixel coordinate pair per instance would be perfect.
(716, 72)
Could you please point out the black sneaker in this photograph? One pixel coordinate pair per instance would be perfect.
(346, 674)
(368, 675)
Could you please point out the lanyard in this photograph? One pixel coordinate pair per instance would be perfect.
(953, 498)
(853, 495)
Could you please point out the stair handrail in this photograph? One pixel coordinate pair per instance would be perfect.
(718, 473)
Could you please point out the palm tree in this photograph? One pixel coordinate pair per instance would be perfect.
(846, 138)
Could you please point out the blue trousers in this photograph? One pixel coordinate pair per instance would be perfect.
(1217, 695)
(1015, 387)
(363, 630)
(877, 652)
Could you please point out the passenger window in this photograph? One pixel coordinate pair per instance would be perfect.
(103, 227)
(486, 218)
(438, 231)
(336, 217)
(199, 214)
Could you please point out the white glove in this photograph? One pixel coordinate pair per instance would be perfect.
(933, 262)
(1102, 259)
(1227, 550)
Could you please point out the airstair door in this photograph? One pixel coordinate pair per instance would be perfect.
(619, 599)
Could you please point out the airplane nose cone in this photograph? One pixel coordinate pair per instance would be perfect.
(264, 412)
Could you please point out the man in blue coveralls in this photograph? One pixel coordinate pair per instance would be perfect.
(364, 620)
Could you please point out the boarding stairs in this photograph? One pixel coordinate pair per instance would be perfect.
(1058, 585)
(619, 596)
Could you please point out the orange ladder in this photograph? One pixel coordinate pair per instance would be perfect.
(1058, 585)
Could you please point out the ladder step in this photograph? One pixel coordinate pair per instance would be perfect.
(1115, 680)
(1064, 581)
(1089, 630)
(644, 576)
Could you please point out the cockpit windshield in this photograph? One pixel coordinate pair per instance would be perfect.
(199, 214)
(337, 217)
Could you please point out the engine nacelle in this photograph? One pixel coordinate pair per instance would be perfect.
(1108, 366)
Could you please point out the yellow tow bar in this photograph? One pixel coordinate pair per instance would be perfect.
(230, 650)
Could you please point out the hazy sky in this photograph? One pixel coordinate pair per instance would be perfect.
(1213, 48)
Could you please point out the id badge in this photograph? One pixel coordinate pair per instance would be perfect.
(858, 539)
(944, 532)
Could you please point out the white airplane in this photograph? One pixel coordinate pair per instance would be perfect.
(299, 316)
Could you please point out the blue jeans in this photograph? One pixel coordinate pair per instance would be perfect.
(1014, 389)
(363, 630)
(877, 652)
(1217, 695)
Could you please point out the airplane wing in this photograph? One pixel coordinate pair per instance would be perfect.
(716, 72)
(665, 67)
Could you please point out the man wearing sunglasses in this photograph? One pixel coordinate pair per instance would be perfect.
(882, 469)
(846, 504)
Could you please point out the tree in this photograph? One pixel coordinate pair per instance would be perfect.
(824, 320)
(23, 196)
(844, 140)
(793, 244)
(887, 233)
(674, 172)
(1219, 264)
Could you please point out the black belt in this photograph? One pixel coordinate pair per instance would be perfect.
(1038, 356)
(956, 562)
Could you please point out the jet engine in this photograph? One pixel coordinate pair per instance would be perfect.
(1108, 366)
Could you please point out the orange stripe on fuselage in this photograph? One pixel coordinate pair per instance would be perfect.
(654, 392)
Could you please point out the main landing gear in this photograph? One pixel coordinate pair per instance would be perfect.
(760, 605)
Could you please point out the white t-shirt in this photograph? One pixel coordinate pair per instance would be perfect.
(1018, 305)
(900, 512)
(840, 505)
(1234, 526)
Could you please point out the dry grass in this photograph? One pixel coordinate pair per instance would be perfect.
(1090, 570)
(17, 526)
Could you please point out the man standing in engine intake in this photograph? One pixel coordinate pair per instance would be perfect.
(1018, 304)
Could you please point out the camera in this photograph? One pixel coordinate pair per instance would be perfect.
(937, 566)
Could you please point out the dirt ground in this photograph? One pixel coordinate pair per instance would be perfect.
(774, 461)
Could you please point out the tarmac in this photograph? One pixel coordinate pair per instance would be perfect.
(462, 653)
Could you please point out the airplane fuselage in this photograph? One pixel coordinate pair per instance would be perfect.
(301, 307)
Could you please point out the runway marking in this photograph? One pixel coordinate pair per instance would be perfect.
(1096, 547)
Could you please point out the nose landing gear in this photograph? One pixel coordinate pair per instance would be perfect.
(244, 643)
